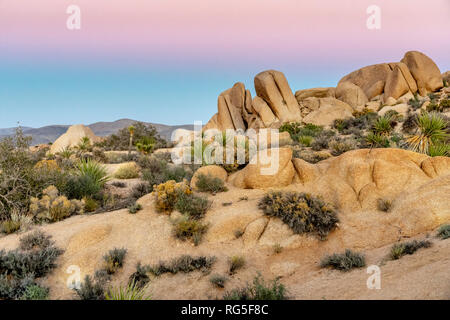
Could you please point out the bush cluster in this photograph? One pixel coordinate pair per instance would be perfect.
(344, 261)
(302, 212)
(184, 263)
(208, 183)
(258, 290)
(398, 250)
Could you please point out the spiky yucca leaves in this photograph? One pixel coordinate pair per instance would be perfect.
(384, 125)
(94, 171)
(129, 292)
(431, 130)
(439, 150)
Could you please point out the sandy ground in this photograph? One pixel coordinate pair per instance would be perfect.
(148, 238)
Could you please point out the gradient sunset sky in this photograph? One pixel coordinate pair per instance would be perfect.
(166, 61)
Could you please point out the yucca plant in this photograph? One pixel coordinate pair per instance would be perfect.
(441, 150)
(377, 140)
(431, 130)
(383, 125)
(66, 153)
(84, 144)
(129, 292)
(94, 171)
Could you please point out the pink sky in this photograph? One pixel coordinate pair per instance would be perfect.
(242, 30)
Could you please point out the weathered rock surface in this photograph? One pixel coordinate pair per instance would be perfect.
(326, 110)
(72, 137)
(424, 70)
(351, 94)
(316, 93)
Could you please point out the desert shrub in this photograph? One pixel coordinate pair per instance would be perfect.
(129, 292)
(10, 226)
(36, 239)
(140, 276)
(444, 232)
(91, 288)
(238, 233)
(398, 250)
(93, 170)
(277, 248)
(193, 206)
(362, 122)
(121, 140)
(164, 173)
(119, 184)
(134, 208)
(116, 157)
(218, 280)
(140, 190)
(127, 171)
(19, 269)
(384, 205)
(377, 140)
(114, 260)
(444, 104)
(415, 102)
(305, 140)
(52, 207)
(302, 212)
(321, 141)
(298, 132)
(145, 145)
(293, 128)
(35, 292)
(311, 157)
(258, 290)
(236, 263)
(185, 264)
(409, 126)
(208, 183)
(432, 130)
(166, 194)
(186, 228)
(344, 261)
(339, 146)
(90, 205)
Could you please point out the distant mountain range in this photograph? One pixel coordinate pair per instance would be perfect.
(51, 133)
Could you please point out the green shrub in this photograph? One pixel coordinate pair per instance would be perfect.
(362, 122)
(134, 208)
(140, 190)
(259, 290)
(130, 292)
(127, 171)
(302, 212)
(208, 183)
(193, 206)
(158, 171)
(35, 292)
(185, 228)
(94, 170)
(236, 263)
(185, 264)
(444, 232)
(10, 226)
(339, 146)
(344, 261)
(114, 260)
(90, 205)
(383, 125)
(415, 102)
(297, 130)
(305, 140)
(398, 250)
(218, 280)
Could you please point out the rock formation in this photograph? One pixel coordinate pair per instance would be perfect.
(72, 137)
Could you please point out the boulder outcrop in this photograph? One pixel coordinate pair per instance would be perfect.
(72, 137)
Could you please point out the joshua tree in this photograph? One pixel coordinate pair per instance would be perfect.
(131, 131)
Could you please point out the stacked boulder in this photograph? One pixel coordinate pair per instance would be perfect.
(275, 104)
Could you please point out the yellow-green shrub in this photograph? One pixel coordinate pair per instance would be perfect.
(53, 207)
(166, 193)
(127, 171)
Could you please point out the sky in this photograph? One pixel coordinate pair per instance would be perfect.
(166, 61)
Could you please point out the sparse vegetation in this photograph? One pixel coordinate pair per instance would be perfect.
(140, 276)
(114, 260)
(218, 280)
(343, 261)
(130, 292)
(302, 212)
(185, 264)
(186, 228)
(35, 240)
(444, 232)
(134, 208)
(258, 290)
(398, 250)
(277, 248)
(191, 205)
(127, 171)
(384, 205)
(208, 183)
(236, 263)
